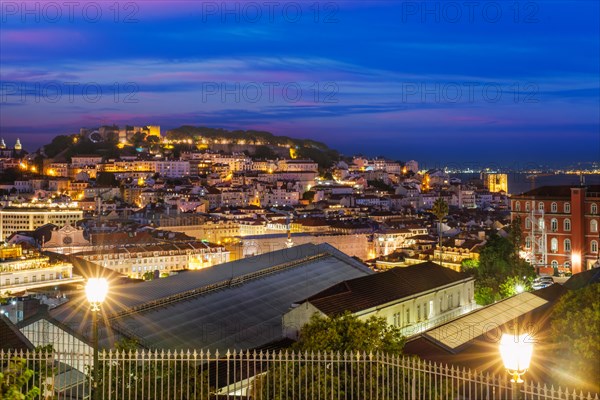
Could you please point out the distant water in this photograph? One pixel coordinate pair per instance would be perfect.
(518, 182)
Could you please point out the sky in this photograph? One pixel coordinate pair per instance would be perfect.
(462, 82)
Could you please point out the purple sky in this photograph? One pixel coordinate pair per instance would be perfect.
(440, 82)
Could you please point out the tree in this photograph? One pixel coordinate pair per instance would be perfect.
(14, 381)
(308, 195)
(574, 330)
(501, 269)
(106, 179)
(344, 357)
(440, 210)
(347, 333)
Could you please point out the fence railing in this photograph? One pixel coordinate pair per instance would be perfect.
(186, 375)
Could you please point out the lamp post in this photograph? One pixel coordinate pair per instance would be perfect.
(516, 352)
(96, 290)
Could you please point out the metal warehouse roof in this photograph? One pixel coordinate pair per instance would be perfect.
(233, 305)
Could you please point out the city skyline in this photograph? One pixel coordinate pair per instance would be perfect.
(435, 81)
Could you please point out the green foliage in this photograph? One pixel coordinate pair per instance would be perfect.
(484, 294)
(264, 152)
(14, 380)
(380, 185)
(9, 175)
(440, 209)
(469, 266)
(347, 333)
(57, 145)
(160, 375)
(324, 158)
(344, 357)
(575, 329)
(106, 179)
(309, 195)
(501, 269)
(148, 276)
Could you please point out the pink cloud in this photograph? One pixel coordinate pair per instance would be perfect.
(39, 37)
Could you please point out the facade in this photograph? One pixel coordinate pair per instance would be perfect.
(20, 272)
(29, 216)
(135, 261)
(412, 298)
(388, 241)
(66, 240)
(560, 226)
(354, 245)
(495, 182)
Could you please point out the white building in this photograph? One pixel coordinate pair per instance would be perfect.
(135, 261)
(20, 272)
(413, 298)
(29, 216)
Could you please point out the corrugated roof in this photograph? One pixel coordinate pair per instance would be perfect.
(464, 329)
(242, 315)
(370, 291)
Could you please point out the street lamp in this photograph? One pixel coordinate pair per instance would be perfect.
(96, 290)
(516, 352)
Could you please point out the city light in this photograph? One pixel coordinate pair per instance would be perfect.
(96, 290)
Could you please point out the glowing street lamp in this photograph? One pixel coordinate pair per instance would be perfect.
(96, 290)
(516, 352)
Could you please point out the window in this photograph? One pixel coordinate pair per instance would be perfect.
(554, 225)
(567, 208)
(407, 322)
(528, 242)
(567, 225)
(541, 224)
(541, 206)
(594, 246)
(594, 208)
(554, 207)
(517, 206)
(593, 226)
(554, 245)
(554, 264)
(567, 245)
(526, 206)
(527, 223)
(567, 264)
(418, 312)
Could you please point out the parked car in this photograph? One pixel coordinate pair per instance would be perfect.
(542, 282)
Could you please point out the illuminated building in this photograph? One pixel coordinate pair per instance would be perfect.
(29, 216)
(20, 272)
(560, 226)
(136, 260)
(495, 182)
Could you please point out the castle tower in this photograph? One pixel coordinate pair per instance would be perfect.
(2, 144)
(18, 145)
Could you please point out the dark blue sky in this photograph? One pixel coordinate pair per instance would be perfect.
(438, 81)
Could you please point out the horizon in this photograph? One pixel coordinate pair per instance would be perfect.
(442, 83)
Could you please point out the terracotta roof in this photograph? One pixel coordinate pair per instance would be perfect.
(556, 191)
(370, 291)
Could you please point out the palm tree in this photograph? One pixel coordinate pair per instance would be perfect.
(440, 210)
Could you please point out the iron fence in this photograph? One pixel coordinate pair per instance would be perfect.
(258, 375)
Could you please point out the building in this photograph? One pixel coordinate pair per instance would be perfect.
(560, 225)
(29, 216)
(354, 245)
(413, 298)
(495, 182)
(236, 305)
(137, 260)
(21, 271)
